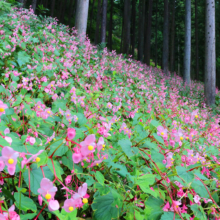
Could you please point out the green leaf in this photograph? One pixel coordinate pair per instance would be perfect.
(24, 203)
(36, 176)
(145, 181)
(126, 147)
(23, 58)
(158, 138)
(99, 177)
(167, 216)
(105, 208)
(198, 212)
(28, 216)
(186, 176)
(200, 188)
(58, 169)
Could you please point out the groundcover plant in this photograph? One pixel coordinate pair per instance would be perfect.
(88, 134)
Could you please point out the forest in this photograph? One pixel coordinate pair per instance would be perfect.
(109, 109)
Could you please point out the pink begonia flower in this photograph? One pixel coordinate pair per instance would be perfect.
(53, 205)
(11, 214)
(77, 156)
(2, 108)
(68, 179)
(100, 144)
(40, 200)
(71, 132)
(109, 105)
(161, 131)
(88, 145)
(166, 207)
(82, 194)
(47, 190)
(9, 158)
(70, 204)
(33, 157)
(7, 131)
(8, 139)
(196, 199)
(31, 140)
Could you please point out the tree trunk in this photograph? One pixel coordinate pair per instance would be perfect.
(156, 33)
(22, 3)
(141, 30)
(98, 18)
(81, 18)
(126, 35)
(52, 8)
(197, 40)
(110, 26)
(210, 54)
(172, 52)
(187, 47)
(104, 21)
(165, 38)
(63, 11)
(61, 5)
(34, 5)
(133, 31)
(91, 17)
(148, 34)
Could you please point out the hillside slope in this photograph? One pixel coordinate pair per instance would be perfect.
(118, 139)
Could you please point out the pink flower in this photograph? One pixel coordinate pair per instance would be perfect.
(196, 199)
(71, 132)
(100, 144)
(2, 108)
(88, 145)
(47, 189)
(53, 205)
(9, 157)
(40, 200)
(77, 156)
(68, 179)
(166, 207)
(109, 105)
(11, 214)
(70, 204)
(82, 193)
(161, 131)
(33, 157)
(31, 140)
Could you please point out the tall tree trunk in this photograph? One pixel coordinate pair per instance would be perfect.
(98, 18)
(210, 54)
(156, 33)
(126, 35)
(133, 31)
(148, 34)
(104, 21)
(82, 9)
(197, 40)
(122, 34)
(172, 52)
(110, 26)
(46, 3)
(61, 5)
(187, 48)
(22, 3)
(52, 8)
(141, 30)
(71, 11)
(34, 5)
(165, 38)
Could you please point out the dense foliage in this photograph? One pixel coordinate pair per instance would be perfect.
(87, 133)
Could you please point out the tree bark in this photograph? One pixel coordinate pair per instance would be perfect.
(52, 8)
(110, 26)
(34, 5)
(148, 34)
(133, 31)
(98, 18)
(141, 30)
(104, 21)
(81, 18)
(187, 48)
(63, 11)
(61, 5)
(210, 54)
(156, 33)
(126, 35)
(197, 40)
(172, 52)
(165, 38)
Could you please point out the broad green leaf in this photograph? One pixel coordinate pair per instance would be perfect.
(28, 216)
(24, 203)
(126, 147)
(198, 212)
(186, 176)
(99, 176)
(57, 167)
